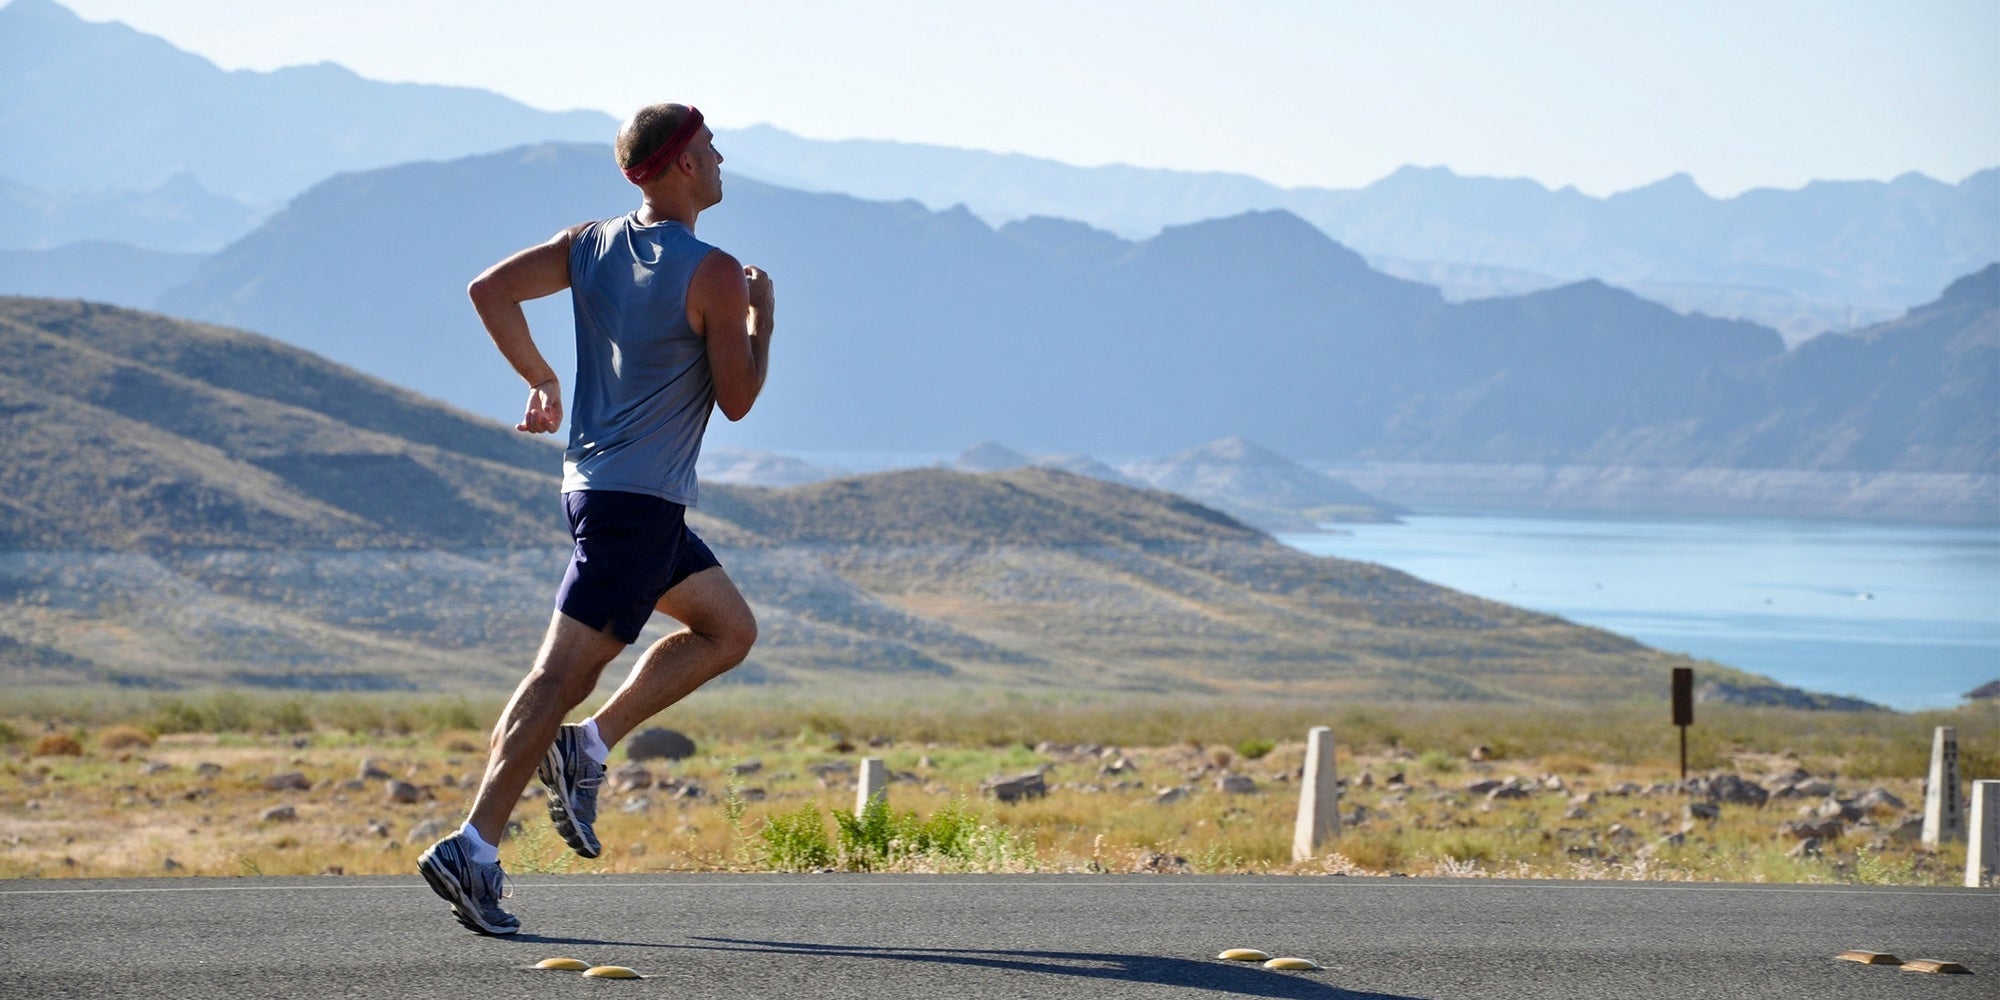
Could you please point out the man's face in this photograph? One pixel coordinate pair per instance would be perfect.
(708, 164)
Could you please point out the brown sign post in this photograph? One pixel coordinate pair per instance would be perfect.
(1684, 711)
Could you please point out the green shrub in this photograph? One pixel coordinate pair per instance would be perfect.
(1438, 762)
(868, 841)
(796, 841)
(1253, 749)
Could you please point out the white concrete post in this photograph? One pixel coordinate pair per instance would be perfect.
(1319, 797)
(1982, 855)
(1944, 809)
(874, 784)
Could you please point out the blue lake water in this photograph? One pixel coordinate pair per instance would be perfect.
(1902, 615)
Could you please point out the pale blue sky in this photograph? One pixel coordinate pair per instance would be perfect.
(1602, 95)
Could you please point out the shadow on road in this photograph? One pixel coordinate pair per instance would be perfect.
(1222, 977)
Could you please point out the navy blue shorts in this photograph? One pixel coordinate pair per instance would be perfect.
(630, 549)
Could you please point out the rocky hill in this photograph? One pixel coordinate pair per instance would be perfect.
(191, 505)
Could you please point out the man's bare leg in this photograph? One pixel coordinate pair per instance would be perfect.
(719, 632)
(565, 672)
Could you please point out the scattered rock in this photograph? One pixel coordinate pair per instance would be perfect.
(1623, 789)
(631, 778)
(751, 766)
(208, 770)
(370, 771)
(353, 785)
(636, 804)
(1732, 789)
(1800, 829)
(1016, 787)
(1846, 812)
(1483, 786)
(290, 781)
(153, 767)
(1154, 861)
(688, 791)
(1908, 828)
(1236, 784)
(1810, 847)
(1481, 752)
(1879, 799)
(1703, 810)
(1508, 791)
(403, 793)
(172, 866)
(378, 828)
(1169, 796)
(655, 743)
(279, 814)
(430, 830)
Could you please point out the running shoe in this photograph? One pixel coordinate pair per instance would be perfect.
(573, 778)
(473, 890)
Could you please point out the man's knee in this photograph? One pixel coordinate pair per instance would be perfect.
(735, 634)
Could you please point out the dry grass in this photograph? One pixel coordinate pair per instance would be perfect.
(146, 810)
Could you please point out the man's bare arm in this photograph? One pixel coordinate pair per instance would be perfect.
(498, 293)
(732, 307)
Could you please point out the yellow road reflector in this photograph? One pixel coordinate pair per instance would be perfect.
(1933, 965)
(1870, 957)
(1244, 955)
(1293, 964)
(561, 964)
(611, 972)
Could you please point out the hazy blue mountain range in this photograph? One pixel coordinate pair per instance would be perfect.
(186, 505)
(178, 216)
(117, 273)
(1833, 255)
(1826, 256)
(96, 107)
(904, 329)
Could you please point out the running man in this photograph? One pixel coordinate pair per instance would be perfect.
(667, 328)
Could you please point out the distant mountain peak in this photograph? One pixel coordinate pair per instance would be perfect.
(1676, 187)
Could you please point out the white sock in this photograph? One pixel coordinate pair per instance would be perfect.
(482, 852)
(593, 744)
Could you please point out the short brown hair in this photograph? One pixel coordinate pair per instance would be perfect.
(642, 134)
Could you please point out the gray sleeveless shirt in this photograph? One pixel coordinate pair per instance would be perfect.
(643, 391)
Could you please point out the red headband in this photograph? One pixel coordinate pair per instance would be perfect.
(643, 171)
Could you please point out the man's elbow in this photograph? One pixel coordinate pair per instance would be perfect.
(734, 409)
(482, 291)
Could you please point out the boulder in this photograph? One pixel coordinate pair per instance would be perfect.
(279, 814)
(1733, 789)
(1236, 784)
(658, 743)
(1016, 787)
(290, 781)
(402, 792)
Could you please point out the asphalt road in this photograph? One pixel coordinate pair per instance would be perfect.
(1045, 937)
